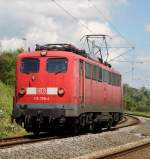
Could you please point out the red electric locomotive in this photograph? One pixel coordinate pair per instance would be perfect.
(59, 86)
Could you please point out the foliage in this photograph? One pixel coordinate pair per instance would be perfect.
(143, 114)
(7, 66)
(7, 82)
(136, 99)
(6, 127)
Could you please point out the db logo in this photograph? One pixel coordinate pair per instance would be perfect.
(41, 91)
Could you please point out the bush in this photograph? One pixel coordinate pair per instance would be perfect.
(136, 99)
(6, 103)
(7, 68)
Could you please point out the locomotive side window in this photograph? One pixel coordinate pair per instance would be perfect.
(112, 78)
(94, 72)
(56, 65)
(30, 65)
(115, 79)
(87, 71)
(118, 80)
(99, 74)
(105, 76)
(109, 77)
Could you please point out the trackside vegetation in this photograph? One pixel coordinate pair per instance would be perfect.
(7, 82)
(135, 100)
(6, 127)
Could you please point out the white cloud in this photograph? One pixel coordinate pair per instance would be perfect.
(44, 22)
(44, 31)
(11, 44)
(147, 28)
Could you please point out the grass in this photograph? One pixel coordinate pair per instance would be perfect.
(144, 114)
(7, 129)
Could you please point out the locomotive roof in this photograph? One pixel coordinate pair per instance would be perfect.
(65, 49)
(61, 47)
(66, 54)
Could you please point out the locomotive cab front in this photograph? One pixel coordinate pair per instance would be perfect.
(44, 89)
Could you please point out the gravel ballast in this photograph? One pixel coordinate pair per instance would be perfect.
(78, 145)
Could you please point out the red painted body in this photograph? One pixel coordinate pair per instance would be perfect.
(45, 101)
(78, 89)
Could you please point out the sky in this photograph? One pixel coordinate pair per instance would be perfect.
(127, 22)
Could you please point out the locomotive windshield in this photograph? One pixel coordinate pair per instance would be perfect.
(56, 65)
(30, 65)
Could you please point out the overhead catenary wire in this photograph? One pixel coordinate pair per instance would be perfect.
(120, 55)
(128, 61)
(85, 26)
(91, 31)
(73, 17)
(114, 27)
(132, 62)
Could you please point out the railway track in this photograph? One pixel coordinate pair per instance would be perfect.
(136, 150)
(128, 121)
(9, 142)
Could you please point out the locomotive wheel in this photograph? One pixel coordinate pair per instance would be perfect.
(98, 127)
(27, 122)
(109, 124)
(92, 127)
(36, 129)
(36, 132)
(75, 130)
(114, 123)
(75, 127)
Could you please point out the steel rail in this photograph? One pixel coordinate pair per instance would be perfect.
(13, 141)
(138, 149)
(9, 142)
(125, 152)
(135, 121)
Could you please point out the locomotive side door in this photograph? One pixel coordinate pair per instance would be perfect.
(81, 83)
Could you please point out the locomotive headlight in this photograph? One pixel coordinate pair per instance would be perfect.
(61, 91)
(43, 53)
(22, 91)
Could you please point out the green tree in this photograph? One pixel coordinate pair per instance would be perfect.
(7, 67)
(136, 99)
